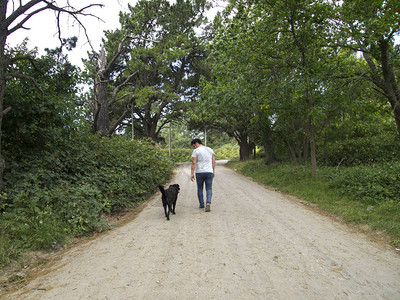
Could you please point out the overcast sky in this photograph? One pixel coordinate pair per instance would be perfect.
(43, 29)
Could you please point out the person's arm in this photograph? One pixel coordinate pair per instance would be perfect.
(194, 160)
(213, 164)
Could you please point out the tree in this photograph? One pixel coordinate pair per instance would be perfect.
(38, 119)
(101, 104)
(281, 55)
(370, 27)
(224, 106)
(228, 99)
(277, 43)
(155, 59)
(15, 20)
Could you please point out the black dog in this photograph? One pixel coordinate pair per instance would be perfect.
(169, 197)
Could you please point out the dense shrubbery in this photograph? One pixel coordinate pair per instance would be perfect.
(368, 184)
(365, 150)
(65, 190)
(185, 154)
(227, 151)
(179, 154)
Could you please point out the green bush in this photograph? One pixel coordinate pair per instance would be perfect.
(366, 150)
(36, 229)
(180, 155)
(68, 187)
(227, 151)
(368, 184)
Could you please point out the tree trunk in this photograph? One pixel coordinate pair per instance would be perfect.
(311, 136)
(297, 146)
(387, 84)
(390, 85)
(291, 150)
(326, 138)
(244, 147)
(292, 153)
(306, 144)
(101, 119)
(150, 123)
(313, 152)
(3, 66)
(244, 151)
(270, 157)
(2, 92)
(252, 147)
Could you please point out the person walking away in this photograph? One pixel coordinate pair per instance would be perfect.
(203, 171)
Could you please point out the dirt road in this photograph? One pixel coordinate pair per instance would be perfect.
(254, 244)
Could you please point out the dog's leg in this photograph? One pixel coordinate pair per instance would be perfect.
(165, 210)
(173, 207)
(167, 213)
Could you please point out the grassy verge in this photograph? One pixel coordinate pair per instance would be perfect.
(337, 192)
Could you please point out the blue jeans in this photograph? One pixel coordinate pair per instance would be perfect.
(206, 178)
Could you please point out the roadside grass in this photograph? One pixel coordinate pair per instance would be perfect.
(383, 215)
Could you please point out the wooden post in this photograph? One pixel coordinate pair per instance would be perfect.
(170, 150)
(133, 128)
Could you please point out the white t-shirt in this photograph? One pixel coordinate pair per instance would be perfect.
(203, 156)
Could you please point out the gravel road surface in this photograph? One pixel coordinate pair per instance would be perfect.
(254, 244)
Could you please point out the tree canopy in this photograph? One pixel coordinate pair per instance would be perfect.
(294, 69)
(153, 65)
(13, 17)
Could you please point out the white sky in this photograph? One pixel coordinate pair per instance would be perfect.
(43, 32)
(43, 28)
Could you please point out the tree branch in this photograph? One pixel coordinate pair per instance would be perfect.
(23, 77)
(26, 57)
(6, 110)
(22, 9)
(117, 122)
(124, 39)
(118, 88)
(70, 10)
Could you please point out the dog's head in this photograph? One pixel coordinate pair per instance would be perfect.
(175, 186)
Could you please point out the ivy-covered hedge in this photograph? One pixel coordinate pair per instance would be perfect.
(66, 189)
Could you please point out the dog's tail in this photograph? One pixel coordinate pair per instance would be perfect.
(162, 190)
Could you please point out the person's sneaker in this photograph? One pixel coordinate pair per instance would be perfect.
(208, 207)
(201, 206)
